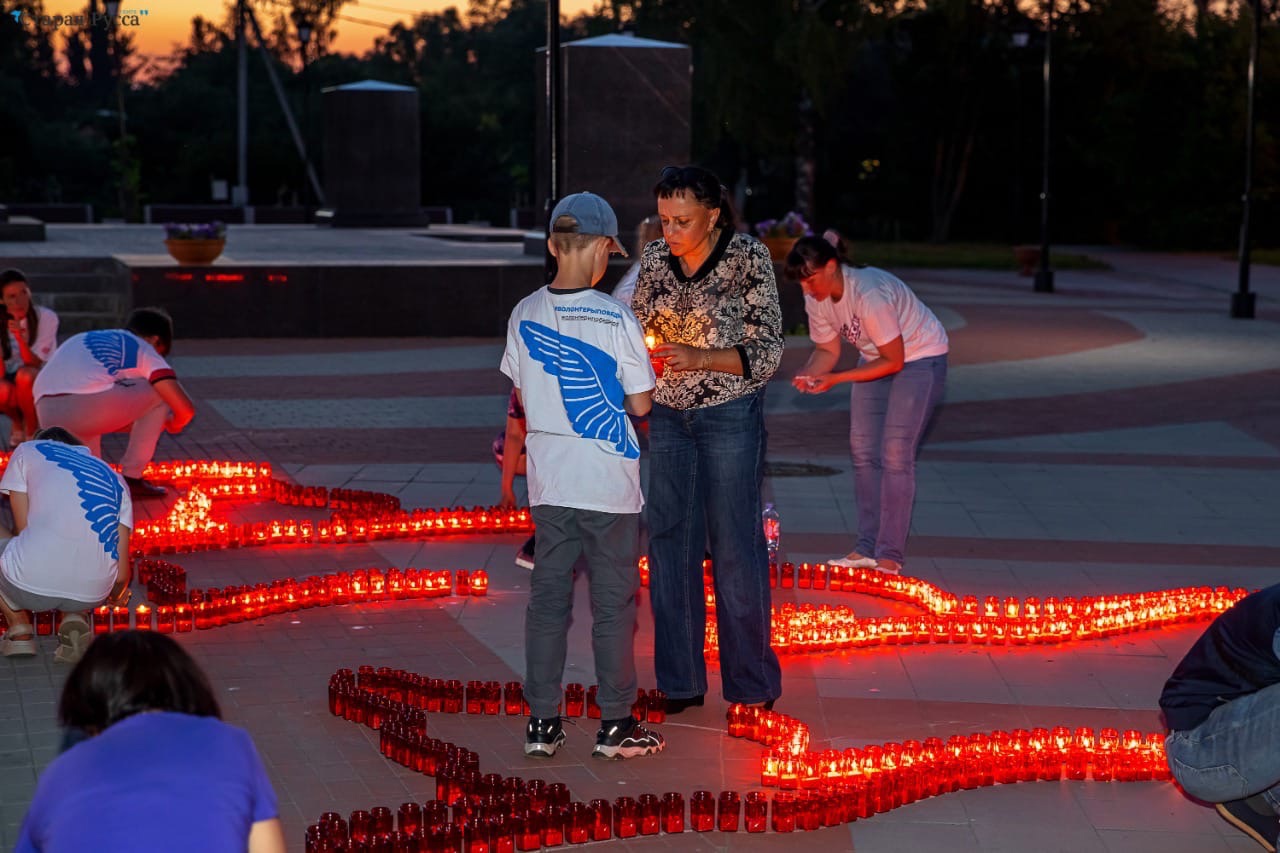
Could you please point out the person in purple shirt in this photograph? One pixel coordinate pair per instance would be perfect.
(160, 770)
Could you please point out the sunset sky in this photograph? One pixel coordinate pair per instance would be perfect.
(167, 23)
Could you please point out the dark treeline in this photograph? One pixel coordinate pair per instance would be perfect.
(917, 120)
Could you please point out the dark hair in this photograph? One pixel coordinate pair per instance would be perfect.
(56, 433)
(145, 322)
(809, 255)
(8, 277)
(703, 185)
(128, 672)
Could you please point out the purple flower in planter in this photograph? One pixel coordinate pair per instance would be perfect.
(790, 225)
(195, 230)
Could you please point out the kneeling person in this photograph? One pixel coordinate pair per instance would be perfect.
(69, 549)
(1221, 705)
(112, 380)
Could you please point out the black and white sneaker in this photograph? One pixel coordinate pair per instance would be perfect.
(626, 738)
(543, 736)
(524, 557)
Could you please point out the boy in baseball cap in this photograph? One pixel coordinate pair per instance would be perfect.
(579, 365)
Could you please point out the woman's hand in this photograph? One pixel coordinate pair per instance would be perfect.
(681, 356)
(819, 384)
(18, 328)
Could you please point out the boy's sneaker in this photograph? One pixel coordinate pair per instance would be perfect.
(543, 736)
(524, 557)
(1245, 815)
(853, 560)
(626, 739)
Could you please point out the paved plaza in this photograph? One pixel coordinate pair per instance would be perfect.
(1120, 435)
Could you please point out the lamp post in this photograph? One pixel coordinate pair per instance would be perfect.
(552, 83)
(1243, 302)
(117, 66)
(1044, 274)
(303, 23)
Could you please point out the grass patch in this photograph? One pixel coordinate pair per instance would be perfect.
(1271, 257)
(976, 256)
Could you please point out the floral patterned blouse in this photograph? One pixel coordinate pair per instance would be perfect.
(731, 301)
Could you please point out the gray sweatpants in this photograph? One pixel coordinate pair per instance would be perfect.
(130, 404)
(611, 543)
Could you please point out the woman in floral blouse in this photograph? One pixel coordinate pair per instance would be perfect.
(708, 297)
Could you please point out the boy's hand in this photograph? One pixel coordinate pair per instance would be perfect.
(508, 499)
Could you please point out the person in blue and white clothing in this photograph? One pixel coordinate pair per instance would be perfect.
(579, 365)
(113, 380)
(69, 549)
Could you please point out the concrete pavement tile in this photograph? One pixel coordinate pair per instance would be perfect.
(1046, 836)
(880, 835)
(1027, 804)
(1140, 806)
(1137, 841)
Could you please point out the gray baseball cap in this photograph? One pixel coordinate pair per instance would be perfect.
(593, 216)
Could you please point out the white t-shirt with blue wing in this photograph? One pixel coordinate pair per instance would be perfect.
(91, 362)
(575, 355)
(70, 547)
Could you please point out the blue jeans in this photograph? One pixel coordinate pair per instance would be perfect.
(706, 467)
(887, 418)
(1235, 753)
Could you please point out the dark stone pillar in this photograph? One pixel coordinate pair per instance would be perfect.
(372, 156)
(625, 114)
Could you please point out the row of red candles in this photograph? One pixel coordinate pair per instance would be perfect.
(934, 766)
(372, 695)
(214, 608)
(190, 526)
(492, 812)
(533, 821)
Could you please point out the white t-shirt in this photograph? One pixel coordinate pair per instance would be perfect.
(876, 308)
(627, 285)
(70, 546)
(42, 347)
(91, 362)
(575, 355)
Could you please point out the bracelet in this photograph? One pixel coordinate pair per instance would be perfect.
(706, 359)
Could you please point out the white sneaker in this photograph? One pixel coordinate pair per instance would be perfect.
(888, 567)
(853, 560)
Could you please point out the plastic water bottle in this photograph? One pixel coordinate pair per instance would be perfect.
(772, 530)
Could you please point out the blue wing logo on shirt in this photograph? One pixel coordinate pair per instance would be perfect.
(589, 384)
(115, 351)
(100, 491)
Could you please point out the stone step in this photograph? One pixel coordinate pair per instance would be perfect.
(64, 302)
(38, 268)
(74, 322)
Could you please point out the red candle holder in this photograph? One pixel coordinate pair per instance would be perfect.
(574, 699)
(626, 817)
(142, 617)
(728, 811)
(756, 811)
(119, 618)
(671, 811)
(602, 820)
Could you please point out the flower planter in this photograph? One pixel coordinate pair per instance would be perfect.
(779, 247)
(195, 252)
